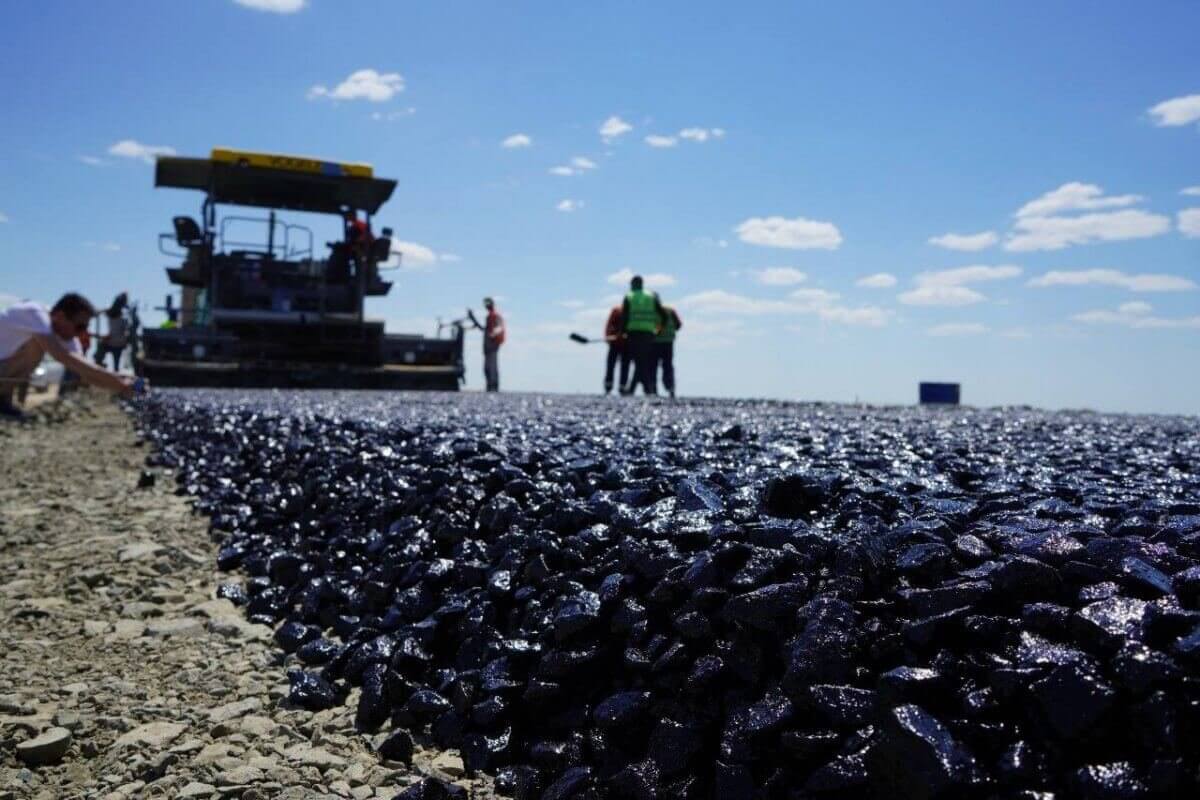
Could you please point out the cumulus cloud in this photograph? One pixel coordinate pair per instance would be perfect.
(1191, 191)
(1146, 282)
(582, 163)
(965, 241)
(517, 140)
(274, 6)
(92, 161)
(779, 276)
(880, 280)
(578, 166)
(793, 234)
(365, 84)
(562, 171)
(958, 329)
(961, 276)
(701, 134)
(940, 295)
(1074, 196)
(654, 140)
(568, 205)
(1177, 111)
(653, 280)
(1189, 223)
(1040, 224)
(867, 316)
(613, 128)
(131, 148)
(415, 257)
(1055, 233)
(1135, 315)
(818, 302)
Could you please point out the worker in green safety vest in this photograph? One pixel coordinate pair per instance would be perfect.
(642, 317)
(664, 348)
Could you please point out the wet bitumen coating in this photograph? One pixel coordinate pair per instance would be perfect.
(604, 597)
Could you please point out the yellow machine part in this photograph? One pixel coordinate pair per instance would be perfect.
(292, 163)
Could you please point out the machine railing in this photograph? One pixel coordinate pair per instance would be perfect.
(278, 247)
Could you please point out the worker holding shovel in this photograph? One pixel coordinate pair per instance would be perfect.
(617, 351)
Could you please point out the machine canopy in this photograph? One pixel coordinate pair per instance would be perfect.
(276, 181)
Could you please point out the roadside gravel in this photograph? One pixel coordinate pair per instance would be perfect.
(122, 676)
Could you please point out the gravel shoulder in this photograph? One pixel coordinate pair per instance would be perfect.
(123, 677)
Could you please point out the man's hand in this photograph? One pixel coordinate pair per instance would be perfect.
(133, 387)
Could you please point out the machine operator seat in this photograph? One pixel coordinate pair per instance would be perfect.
(187, 232)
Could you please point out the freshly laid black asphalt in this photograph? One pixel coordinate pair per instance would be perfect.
(596, 597)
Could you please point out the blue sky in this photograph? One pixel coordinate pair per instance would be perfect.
(789, 172)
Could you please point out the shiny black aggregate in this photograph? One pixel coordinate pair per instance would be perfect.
(596, 599)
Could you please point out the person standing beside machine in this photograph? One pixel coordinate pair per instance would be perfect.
(493, 337)
(617, 351)
(664, 348)
(641, 318)
(117, 337)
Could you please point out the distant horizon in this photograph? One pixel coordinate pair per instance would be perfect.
(839, 200)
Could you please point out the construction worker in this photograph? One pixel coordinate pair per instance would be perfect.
(641, 318)
(493, 337)
(617, 351)
(664, 348)
(29, 331)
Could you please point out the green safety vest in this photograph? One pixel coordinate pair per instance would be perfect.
(643, 317)
(667, 334)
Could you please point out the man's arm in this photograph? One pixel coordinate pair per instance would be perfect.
(678, 321)
(662, 314)
(625, 315)
(92, 374)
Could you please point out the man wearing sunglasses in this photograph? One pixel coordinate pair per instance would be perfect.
(28, 331)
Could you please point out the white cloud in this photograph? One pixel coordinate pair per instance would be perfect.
(802, 301)
(1146, 282)
(939, 295)
(962, 276)
(1135, 315)
(3, 217)
(365, 84)
(1055, 233)
(880, 280)
(813, 298)
(792, 234)
(1191, 191)
(654, 140)
(413, 257)
(562, 171)
(965, 241)
(581, 163)
(92, 161)
(392, 116)
(274, 6)
(614, 127)
(653, 280)
(1189, 223)
(569, 205)
(958, 329)
(779, 276)
(517, 140)
(1074, 196)
(130, 148)
(867, 316)
(1177, 111)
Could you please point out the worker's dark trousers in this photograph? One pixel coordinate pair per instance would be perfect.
(664, 358)
(491, 368)
(641, 350)
(616, 352)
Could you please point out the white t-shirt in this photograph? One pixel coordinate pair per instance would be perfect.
(20, 321)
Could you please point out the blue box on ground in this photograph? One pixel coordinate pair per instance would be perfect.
(939, 394)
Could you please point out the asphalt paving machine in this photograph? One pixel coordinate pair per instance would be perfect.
(261, 307)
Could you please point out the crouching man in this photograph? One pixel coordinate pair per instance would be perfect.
(28, 332)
